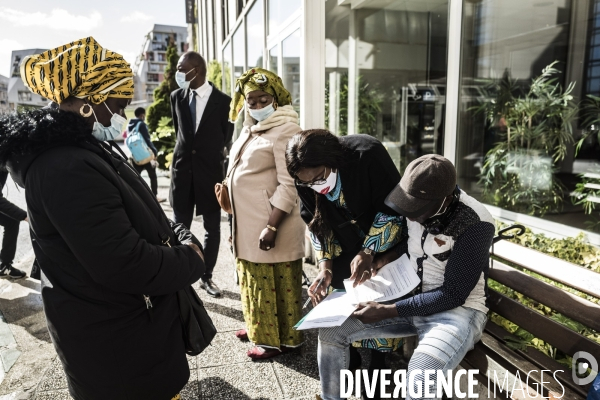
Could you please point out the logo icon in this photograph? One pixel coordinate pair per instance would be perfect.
(582, 360)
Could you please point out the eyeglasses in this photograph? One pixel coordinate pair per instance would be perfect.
(319, 181)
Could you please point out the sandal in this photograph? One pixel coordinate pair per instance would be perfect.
(242, 334)
(262, 353)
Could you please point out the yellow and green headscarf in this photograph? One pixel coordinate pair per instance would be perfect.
(82, 68)
(258, 79)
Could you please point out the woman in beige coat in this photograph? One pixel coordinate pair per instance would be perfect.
(268, 233)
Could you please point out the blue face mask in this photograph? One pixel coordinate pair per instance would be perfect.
(263, 113)
(104, 133)
(180, 79)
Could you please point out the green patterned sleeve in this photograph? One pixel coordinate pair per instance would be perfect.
(385, 232)
(328, 250)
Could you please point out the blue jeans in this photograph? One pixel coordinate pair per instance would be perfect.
(444, 339)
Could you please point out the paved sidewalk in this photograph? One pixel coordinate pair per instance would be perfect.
(223, 371)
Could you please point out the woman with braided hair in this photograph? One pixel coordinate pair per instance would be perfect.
(109, 283)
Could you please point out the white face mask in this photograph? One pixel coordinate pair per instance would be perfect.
(180, 79)
(104, 133)
(328, 186)
(263, 113)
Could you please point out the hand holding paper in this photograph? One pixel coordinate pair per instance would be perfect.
(392, 282)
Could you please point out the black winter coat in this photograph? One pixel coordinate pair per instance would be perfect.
(368, 176)
(96, 231)
(199, 155)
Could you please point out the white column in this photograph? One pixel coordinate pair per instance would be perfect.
(312, 65)
(334, 102)
(453, 79)
(353, 74)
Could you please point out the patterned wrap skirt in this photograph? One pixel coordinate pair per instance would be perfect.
(272, 302)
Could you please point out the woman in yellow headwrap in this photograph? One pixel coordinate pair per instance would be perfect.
(108, 283)
(268, 233)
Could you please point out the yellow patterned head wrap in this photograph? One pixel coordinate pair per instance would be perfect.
(258, 79)
(82, 69)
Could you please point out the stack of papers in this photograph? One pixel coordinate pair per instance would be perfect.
(392, 282)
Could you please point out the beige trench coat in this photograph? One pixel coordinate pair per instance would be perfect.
(259, 182)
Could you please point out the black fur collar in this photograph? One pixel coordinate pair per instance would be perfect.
(25, 135)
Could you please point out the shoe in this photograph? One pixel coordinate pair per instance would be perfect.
(210, 287)
(261, 353)
(11, 272)
(242, 334)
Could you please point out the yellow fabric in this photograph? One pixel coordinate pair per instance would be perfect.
(82, 68)
(178, 397)
(271, 301)
(258, 79)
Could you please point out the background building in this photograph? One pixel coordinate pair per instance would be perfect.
(19, 96)
(414, 72)
(4, 94)
(150, 64)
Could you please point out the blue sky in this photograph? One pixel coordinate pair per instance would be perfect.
(117, 25)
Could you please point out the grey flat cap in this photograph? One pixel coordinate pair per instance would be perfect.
(426, 181)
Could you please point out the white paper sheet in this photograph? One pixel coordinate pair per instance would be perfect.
(393, 281)
(332, 311)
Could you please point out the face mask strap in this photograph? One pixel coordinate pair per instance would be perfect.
(111, 113)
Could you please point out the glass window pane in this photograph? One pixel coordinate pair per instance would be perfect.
(227, 69)
(279, 11)
(291, 67)
(504, 156)
(399, 78)
(273, 55)
(255, 35)
(239, 52)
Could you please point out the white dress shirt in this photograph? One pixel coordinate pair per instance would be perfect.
(202, 95)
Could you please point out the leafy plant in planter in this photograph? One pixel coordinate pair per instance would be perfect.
(369, 105)
(587, 191)
(164, 138)
(518, 172)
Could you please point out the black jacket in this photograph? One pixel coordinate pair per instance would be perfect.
(6, 207)
(368, 176)
(96, 230)
(199, 155)
(143, 129)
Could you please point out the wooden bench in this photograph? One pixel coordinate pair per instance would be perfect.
(494, 358)
(493, 355)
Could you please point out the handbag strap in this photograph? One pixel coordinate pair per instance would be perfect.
(239, 155)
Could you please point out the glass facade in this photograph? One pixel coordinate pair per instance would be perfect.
(291, 67)
(255, 32)
(516, 87)
(386, 74)
(279, 11)
(517, 127)
(227, 63)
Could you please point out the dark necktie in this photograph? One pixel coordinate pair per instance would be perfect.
(193, 109)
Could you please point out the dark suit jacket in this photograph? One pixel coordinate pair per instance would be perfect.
(198, 156)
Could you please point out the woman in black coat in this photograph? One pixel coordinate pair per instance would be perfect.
(108, 281)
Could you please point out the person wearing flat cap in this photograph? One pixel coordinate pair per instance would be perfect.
(449, 237)
(109, 285)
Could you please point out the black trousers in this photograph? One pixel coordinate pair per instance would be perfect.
(151, 174)
(212, 237)
(9, 240)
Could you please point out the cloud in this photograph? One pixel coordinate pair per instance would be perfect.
(137, 16)
(57, 19)
(6, 48)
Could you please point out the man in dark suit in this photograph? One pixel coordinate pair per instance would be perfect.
(200, 113)
(10, 217)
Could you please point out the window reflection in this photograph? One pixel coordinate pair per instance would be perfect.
(239, 52)
(273, 56)
(291, 67)
(279, 11)
(227, 69)
(255, 35)
(399, 76)
(507, 120)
